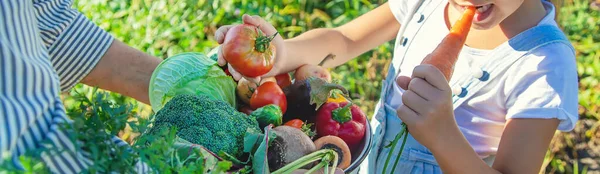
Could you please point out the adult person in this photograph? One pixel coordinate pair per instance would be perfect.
(47, 47)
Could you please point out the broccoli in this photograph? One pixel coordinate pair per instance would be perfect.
(211, 123)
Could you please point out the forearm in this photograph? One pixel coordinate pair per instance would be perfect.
(455, 155)
(345, 42)
(313, 46)
(124, 70)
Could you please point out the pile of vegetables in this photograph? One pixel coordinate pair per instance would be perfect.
(292, 122)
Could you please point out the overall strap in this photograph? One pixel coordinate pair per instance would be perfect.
(401, 36)
(504, 57)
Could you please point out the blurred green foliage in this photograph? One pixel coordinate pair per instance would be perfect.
(164, 28)
(576, 151)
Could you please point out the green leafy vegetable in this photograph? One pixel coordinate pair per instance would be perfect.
(259, 161)
(190, 73)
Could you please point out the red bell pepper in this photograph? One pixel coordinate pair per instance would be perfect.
(344, 120)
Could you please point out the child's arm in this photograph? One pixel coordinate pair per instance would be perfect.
(428, 113)
(345, 42)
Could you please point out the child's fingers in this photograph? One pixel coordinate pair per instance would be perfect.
(415, 102)
(255, 80)
(423, 89)
(247, 19)
(407, 115)
(236, 75)
(220, 59)
(403, 82)
(274, 72)
(432, 75)
(264, 26)
(221, 32)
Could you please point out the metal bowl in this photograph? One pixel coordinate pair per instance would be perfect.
(359, 155)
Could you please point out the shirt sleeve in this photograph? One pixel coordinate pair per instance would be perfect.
(30, 107)
(32, 115)
(544, 85)
(399, 8)
(74, 43)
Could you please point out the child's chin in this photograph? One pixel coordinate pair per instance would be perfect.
(483, 26)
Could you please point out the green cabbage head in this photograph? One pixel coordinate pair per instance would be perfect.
(190, 73)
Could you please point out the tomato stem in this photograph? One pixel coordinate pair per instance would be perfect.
(263, 42)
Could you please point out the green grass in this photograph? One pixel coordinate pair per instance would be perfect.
(167, 27)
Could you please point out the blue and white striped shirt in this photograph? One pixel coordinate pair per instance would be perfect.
(46, 47)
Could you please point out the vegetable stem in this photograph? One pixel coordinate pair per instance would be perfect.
(394, 143)
(262, 42)
(342, 115)
(405, 134)
(317, 167)
(335, 163)
(323, 155)
(329, 56)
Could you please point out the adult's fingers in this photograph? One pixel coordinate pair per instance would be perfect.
(432, 75)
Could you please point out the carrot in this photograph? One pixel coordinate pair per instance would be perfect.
(443, 57)
(446, 54)
(339, 146)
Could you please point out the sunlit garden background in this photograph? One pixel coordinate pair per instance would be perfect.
(167, 27)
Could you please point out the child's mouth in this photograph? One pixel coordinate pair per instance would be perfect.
(483, 12)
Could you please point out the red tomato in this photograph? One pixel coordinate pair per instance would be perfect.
(297, 123)
(249, 51)
(268, 93)
(283, 80)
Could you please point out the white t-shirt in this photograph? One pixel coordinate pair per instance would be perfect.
(543, 84)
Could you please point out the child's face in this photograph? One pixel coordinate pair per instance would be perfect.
(489, 12)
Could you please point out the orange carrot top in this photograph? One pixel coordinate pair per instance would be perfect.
(446, 54)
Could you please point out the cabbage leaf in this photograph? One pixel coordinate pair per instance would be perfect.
(190, 73)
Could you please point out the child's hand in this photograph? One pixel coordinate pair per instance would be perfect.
(427, 106)
(267, 29)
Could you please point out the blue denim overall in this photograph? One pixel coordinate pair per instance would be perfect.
(415, 157)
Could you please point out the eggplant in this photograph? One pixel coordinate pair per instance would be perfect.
(306, 96)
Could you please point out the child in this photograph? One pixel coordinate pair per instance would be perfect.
(515, 82)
